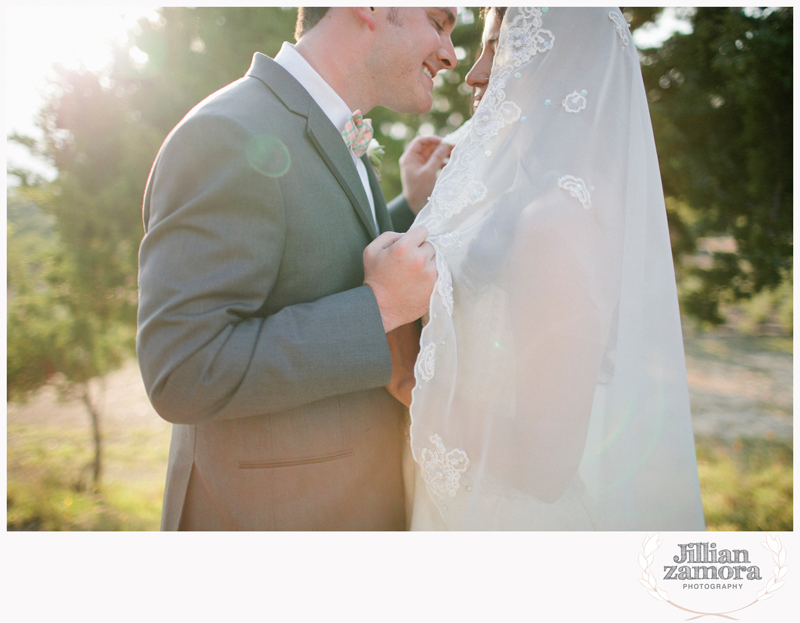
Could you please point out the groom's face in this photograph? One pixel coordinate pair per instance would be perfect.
(478, 76)
(415, 45)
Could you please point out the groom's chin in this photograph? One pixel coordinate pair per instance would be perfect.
(419, 109)
(416, 105)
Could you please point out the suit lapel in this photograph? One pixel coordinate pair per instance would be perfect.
(322, 133)
(331, 147)
(381, 211)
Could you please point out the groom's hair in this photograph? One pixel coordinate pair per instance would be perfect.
(307, 18)
(310, 16)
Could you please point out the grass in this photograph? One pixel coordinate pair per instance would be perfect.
(746, 482)
(49, 479)
(746, 485)
(731, 347)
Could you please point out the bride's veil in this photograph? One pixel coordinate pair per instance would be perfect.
(551, 386)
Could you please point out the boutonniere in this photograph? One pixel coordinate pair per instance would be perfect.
(375, 151)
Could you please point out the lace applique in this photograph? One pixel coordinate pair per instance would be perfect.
(523, 39)
(457, 187)
(448, 240)
(442, 470)
(426, 362)
(577, 188)
(528, 38)
(444, 285)
(574, 102)
(452, 196)
(543, 40)
(621, 27)
(519, 41)
(431, 221)
(488, 123)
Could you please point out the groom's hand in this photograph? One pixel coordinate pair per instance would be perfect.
(404, 347)
(401, 271)
(419, 164)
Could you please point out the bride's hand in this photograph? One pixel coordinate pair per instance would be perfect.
(404, 347)
(419, 164)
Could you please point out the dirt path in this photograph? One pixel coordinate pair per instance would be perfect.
(123, 403)
(739, 387)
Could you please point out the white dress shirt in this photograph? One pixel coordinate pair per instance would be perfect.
(328, 100)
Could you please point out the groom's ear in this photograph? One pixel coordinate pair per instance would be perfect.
(366, 15)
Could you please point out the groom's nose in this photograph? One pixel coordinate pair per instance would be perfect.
(447, 54)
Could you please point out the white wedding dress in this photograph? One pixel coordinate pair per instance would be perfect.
(551, 387)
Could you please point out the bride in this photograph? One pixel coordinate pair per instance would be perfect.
(550, 388)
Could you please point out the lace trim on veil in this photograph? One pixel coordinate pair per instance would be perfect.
(458, 188)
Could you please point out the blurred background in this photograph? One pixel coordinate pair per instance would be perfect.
(93, 92)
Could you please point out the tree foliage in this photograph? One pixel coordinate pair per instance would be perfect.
(721, 104)
(102, 131)
(720, 98)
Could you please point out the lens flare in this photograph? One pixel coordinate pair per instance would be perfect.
(268, 155)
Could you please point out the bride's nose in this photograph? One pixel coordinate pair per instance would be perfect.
(479, 74)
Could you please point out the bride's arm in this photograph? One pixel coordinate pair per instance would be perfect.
(404, 348)
(419, 166)
(566, 290)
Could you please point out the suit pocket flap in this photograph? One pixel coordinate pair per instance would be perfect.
(292, 462)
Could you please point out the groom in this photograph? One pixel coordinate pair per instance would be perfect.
(267, 292)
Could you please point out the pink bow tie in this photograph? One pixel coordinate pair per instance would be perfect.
(357, 133)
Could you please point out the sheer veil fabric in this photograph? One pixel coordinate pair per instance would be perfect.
(551, 388)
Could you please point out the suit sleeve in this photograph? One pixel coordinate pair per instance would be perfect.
(401, 214)
(215, 230)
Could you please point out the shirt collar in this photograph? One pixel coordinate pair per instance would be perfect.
(321, 92)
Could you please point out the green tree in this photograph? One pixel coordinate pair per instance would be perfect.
(30, 246)
(72, 281)
(721, 104)
(60, 330)
(72, 292)
(190, 53)
(75, 320)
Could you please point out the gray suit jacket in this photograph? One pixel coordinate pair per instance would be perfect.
(257, 337)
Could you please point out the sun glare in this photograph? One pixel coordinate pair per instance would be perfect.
(39, 37)
(71, 36)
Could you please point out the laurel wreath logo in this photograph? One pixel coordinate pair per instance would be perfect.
(648, 580)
